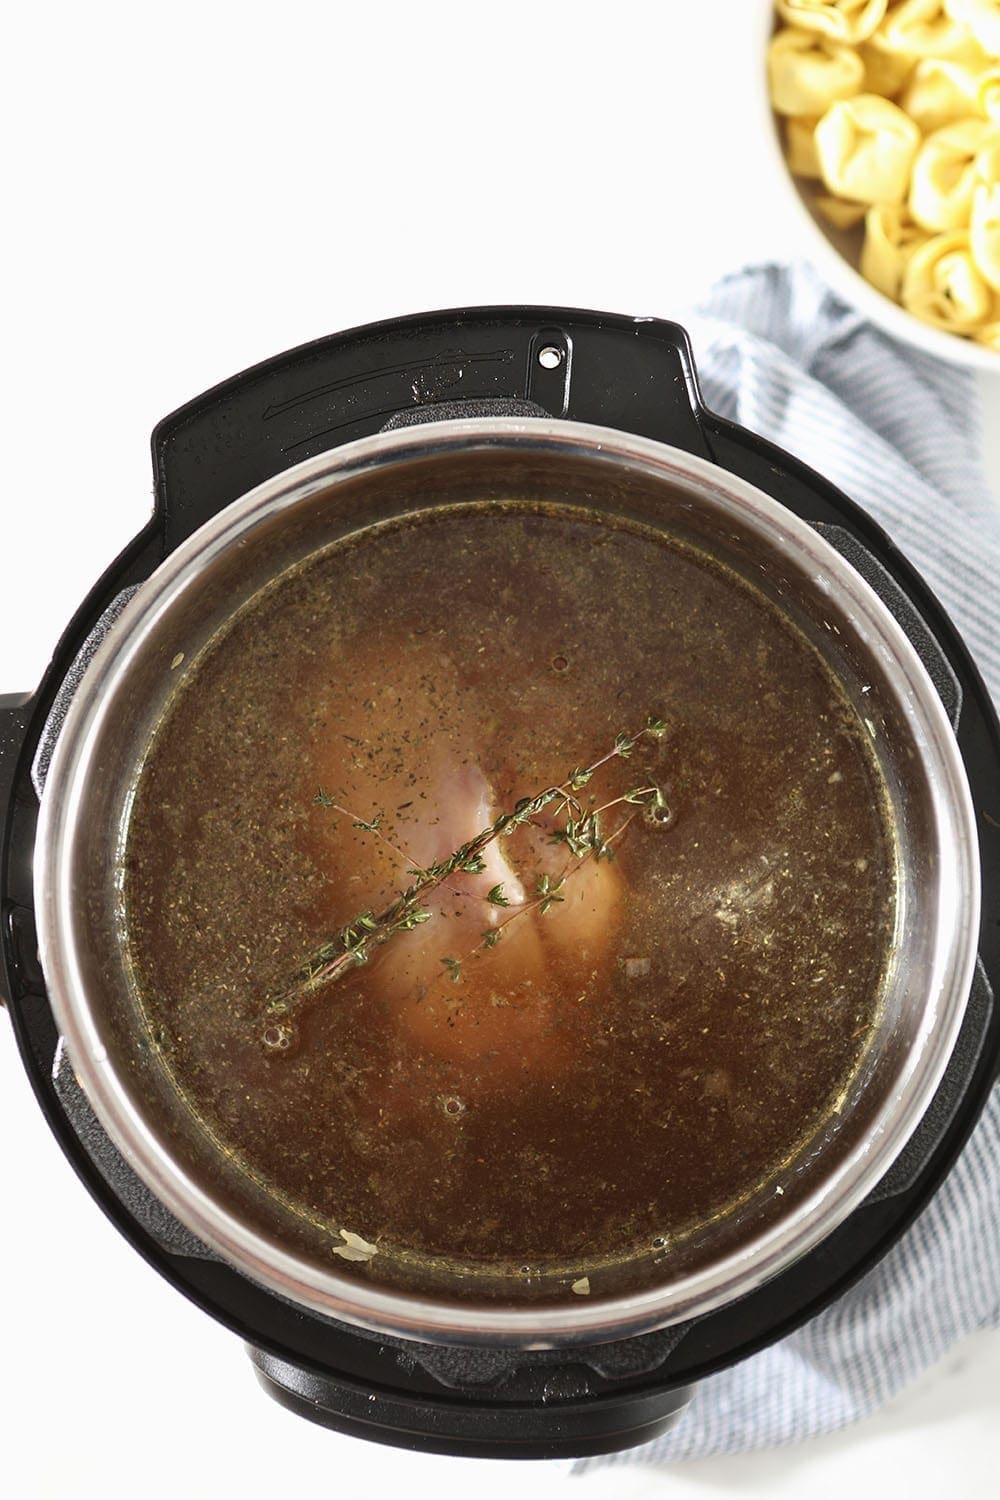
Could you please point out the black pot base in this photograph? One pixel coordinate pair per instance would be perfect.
(467, 1428)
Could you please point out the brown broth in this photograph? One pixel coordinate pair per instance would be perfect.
(594, 1094)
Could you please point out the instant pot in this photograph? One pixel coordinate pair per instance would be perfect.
(259, 472)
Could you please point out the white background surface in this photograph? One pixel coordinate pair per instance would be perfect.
(189, 189)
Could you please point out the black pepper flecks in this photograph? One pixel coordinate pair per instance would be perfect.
(747, 960)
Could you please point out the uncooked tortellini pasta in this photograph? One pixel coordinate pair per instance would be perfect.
(866, 149)
(943, 285)
(885, 72)
(988, 94)
(838, 212)
(984, 232)
(903, 158)
(890, 239)
(800, 144)
(843, 20)
(940, 92)
(988, 159)
(808, 73)
(982, 18)
(923, 28)
(945, 175)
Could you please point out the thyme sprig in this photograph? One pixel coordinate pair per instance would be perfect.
(581, 832)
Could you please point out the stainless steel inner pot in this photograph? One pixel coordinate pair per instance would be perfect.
(128, 683)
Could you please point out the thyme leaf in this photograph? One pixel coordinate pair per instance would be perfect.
(373, 826)
(547, 889)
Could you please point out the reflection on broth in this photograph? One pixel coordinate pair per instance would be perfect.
(582, 1038)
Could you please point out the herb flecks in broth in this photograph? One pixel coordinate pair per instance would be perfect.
(610, 1075)
(566, 822)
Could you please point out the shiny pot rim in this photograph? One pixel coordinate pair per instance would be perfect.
(63, 823)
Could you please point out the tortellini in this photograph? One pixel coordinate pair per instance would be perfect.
(808, 73)
(988, 159)
(894, 128)
(945, 175)
(982, 18)
(943, 285)
(940, 92)
(838, 212)
(844, 20)
(866, 149)
(923, 28)
(800, 148)
(885, 72)
(890, 239)
(988, 94)
(984, 231)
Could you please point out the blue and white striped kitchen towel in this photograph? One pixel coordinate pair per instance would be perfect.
(898, 431)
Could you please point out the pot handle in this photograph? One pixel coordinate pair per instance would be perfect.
(16, 710)
(637, 375)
